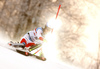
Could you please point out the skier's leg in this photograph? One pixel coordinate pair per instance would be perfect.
(25, 43)
(31, 44)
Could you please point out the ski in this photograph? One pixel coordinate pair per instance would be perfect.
(31, 51)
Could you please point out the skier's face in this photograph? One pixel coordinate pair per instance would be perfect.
(46, 31)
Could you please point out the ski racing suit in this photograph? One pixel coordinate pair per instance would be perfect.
(29, 38)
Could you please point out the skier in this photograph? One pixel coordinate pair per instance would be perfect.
(29, 38)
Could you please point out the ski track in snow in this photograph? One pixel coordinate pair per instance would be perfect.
(10, 59)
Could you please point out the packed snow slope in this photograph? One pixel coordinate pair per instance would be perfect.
(10, 59)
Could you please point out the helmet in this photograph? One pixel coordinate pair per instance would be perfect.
(47, 28)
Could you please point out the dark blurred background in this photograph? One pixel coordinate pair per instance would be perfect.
(78, 37)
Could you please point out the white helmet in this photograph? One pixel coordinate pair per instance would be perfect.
(47, 28)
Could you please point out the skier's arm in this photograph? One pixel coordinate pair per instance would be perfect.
(44, 40)
(39, 32)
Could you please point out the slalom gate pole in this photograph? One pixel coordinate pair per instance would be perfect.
(57, 14)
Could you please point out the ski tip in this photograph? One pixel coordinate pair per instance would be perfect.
(41, 58)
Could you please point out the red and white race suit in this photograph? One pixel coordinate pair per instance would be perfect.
(29, 38)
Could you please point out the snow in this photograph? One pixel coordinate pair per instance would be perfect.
(9, 59)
